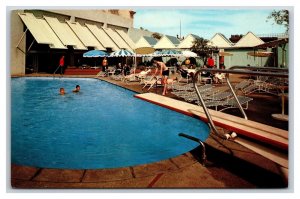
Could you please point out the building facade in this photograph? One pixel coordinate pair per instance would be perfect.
(40, 37)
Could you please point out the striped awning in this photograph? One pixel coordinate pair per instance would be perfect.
(100, 34)
(41, 31)
(117, 39)
(65, 34)
(126, 38)
(85, 36)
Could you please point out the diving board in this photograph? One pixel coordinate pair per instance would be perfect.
(261, 132)
(256, 131)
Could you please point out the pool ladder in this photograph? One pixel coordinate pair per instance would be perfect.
(203, 155)
(249, 70)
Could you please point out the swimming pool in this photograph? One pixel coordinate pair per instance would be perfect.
(102, 126)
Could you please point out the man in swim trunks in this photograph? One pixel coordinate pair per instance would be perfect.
(164, 72)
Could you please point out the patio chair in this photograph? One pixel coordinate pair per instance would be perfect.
(118, 77)
(101, 74)
(244, 100)
(142, 75)
(111, 70)
(219, 78)
(150, 81)
(243, 84)
(183, 75)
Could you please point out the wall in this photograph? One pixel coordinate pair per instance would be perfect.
(286, 56)
(240, 58)
(99, 16)
(17, 57)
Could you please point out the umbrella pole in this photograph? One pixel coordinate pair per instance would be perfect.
(134, 64)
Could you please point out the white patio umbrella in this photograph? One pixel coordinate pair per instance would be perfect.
(187, 53)
(122, 53)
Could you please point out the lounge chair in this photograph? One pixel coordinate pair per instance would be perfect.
(219, 78)
(142, 75)
(101, 74)
(183, 75)
(111, 70)
(132, 77)
(150, 81)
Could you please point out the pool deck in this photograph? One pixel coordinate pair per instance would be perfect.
(229, 165)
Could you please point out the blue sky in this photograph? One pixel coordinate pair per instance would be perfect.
(205, 22)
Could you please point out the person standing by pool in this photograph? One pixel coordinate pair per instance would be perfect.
(164, 72)
(210, 62)
(104, 64)
(77, 89)
(126, 70)
(62, 65)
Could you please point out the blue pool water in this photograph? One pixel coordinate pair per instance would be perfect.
(102, 126)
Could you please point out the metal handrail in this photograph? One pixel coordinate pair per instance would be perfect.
(56, 71)
(260, 68)
(234, 70)
(200, 142)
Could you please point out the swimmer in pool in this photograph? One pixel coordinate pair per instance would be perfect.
(61, 91)
(77, 89)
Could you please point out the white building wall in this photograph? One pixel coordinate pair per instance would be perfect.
(17, 57)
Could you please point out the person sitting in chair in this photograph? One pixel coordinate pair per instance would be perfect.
(218, 77)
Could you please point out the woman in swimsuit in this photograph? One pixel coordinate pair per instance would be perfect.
(164, 72)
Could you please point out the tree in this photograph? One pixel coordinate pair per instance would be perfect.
(201, 47)
(280, 17)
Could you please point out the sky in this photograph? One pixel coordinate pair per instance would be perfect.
(206, 22)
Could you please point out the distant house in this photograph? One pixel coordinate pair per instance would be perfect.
(220, 41)
(146, 41)
(248, 41)
(241, 55)
(167, 42)
(241, 52)
(188, 41)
